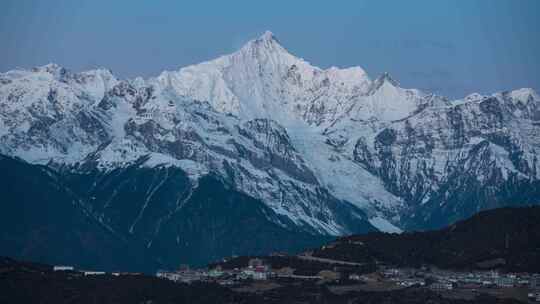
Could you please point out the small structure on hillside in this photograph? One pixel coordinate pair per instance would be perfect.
(441, 286)
(505, 282)
(215, 272)
(255, 262)
(173, 276)
(260, 272)
(63, 268)
(329, 275)
(92, 273)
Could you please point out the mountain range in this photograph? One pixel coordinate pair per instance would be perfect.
(252, 152)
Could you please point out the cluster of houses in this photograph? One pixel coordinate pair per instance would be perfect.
(441, 280)
(483, 279)
(255, 270)
(438, 280)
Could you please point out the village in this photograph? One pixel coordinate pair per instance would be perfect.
(259, 275)
(341, 277)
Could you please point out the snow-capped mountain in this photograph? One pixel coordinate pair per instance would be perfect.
(327, 151)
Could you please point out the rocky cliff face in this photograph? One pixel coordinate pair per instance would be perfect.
(328, 152)
(456, 160)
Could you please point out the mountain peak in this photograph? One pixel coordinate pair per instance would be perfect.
(267, 35)
(267, 41)
(385, 78)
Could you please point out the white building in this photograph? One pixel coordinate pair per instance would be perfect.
(63, 268)
(441, 286)
(505, 282)
(173, 276)
(186, 276)
(534, 296)
(91, 273)
(258, 275)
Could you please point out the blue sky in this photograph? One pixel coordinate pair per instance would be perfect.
(449, 47)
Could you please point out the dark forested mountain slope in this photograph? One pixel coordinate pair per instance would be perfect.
(41, 220)
(506, 238)
(58, 219)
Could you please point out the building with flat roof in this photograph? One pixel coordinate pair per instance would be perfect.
(63, 268)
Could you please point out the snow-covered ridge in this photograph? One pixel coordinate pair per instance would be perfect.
(300, 138)
(263, 80)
